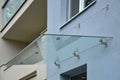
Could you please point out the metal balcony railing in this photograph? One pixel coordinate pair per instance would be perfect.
(10, 8)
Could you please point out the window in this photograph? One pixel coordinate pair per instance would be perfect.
(76, 6)
(81, 76)
(10, 9)
(5, 3)
(79, 73)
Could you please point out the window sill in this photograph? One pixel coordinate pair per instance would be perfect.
(74, 17)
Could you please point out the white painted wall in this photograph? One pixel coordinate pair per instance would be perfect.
(17, 72)
(9, 49)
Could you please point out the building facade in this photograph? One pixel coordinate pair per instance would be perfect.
(88, 47)
(21, 22)
(59, 40)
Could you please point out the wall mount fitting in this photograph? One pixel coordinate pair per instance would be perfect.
(57, 63)
(103, 42)
(76, 54)
(107, 7)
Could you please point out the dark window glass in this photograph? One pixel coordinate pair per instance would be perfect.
(74, 5)
(77, 6)
(81, 76)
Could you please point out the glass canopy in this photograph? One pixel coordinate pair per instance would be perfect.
(62, 46)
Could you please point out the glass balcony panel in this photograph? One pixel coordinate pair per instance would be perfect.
(10, 9)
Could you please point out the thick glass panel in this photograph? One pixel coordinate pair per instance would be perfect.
(32, 54)
(10, 9)
(63, 47)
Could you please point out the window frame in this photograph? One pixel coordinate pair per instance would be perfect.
(85, 72)
(29, 76)
(81, 5)
(74, 72)
(5, 3)
(72, 18)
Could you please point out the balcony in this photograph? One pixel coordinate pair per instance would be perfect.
(61, 47)
(24, 20)
(11, 7)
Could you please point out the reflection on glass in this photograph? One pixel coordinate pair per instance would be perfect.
(29, 55)
(10, 9)
(77, 6)
(62, 46)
